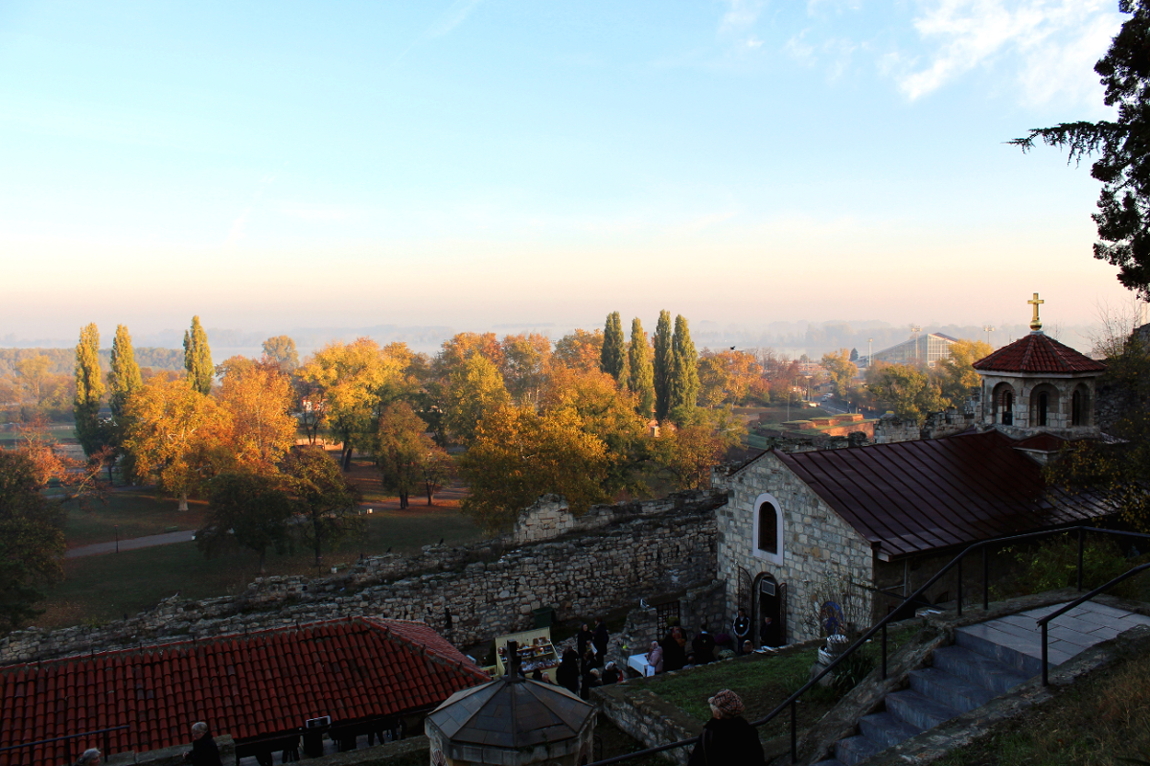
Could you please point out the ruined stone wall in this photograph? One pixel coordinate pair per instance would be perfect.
(488, 588)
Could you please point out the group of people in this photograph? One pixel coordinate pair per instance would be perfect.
(204, 751)
(674, 652)
(744, 640)
(586, 666)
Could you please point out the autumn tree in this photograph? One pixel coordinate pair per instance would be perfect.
(683, 384)
(841, 370)
(281, 351)
(247, 509)
(601, 410)
(728, 377)
(41, 392)
(907, 390)
(260, 428)
(175, 436)
(956, 375)
(90, 432)
(405, 455)
(474, 390)
(640, 373)
(525, 360)
(198, 358)
(613, 356)
(519, 455)
(664, 365)
(688, 453)
(346, 380)
(324, 499)
(31, 541)
(580, 350)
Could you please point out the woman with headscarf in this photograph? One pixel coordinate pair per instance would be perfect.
(727, 739)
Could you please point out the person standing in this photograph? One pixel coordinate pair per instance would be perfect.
(600, 639)
(727, 738)
(655, 658)
(204, 751)
(583, 639)
(567, 675)
(741, 628)
(703, 646)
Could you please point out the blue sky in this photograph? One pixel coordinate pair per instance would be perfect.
(470, 163)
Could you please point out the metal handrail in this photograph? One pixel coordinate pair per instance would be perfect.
(1044, 622)
(66, 737)
(881, 626)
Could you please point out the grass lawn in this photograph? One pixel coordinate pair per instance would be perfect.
(764, 681)
(106, 587)
(135, 512)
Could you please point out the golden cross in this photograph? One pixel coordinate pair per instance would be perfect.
(1034, 323)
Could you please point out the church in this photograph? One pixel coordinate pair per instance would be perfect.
(835, 537)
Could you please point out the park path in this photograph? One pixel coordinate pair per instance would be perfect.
(127, 545)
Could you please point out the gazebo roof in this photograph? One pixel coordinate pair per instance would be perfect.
(511, 713)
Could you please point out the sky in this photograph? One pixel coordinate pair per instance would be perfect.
(482, 162)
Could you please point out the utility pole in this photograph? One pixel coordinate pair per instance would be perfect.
(989, 329)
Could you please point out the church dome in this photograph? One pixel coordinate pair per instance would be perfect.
(1038, 354)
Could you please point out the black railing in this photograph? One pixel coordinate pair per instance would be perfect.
(880, 627)
(106, 749)
(1045, 621)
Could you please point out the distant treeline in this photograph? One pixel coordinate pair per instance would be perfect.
(63, 360)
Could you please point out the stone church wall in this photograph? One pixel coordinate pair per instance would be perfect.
(820, 550)
(488, 588)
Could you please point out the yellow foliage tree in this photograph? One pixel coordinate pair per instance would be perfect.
(176, 436)
(519, 455)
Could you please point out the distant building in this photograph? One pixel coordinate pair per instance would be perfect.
(922, 349)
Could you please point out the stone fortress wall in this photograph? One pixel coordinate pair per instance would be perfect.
(607, 559)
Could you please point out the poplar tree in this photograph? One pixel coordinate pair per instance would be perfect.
(640, 375)
(683, 389)
(198, 358)
(124, 378)
(613, 357)
(663, 364)
(89, 391)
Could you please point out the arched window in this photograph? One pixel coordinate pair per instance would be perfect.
(768, 528)
(768, 540)
(1078, 408)
(1043, 404)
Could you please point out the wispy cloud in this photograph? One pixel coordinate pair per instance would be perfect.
(455, 15)
(447, 21)
(737, 25)
(1055, 42)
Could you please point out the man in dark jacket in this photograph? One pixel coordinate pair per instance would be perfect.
(204, 751)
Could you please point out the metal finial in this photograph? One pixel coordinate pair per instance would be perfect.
(1035, 323)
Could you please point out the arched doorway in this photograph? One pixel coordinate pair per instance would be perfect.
(770, 601)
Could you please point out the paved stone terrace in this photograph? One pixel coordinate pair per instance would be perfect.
(1082, 627)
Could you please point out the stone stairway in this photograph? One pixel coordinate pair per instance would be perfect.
(985, 661)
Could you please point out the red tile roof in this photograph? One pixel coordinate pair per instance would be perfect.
(1038, 353)
(936, 493)
(247, 686)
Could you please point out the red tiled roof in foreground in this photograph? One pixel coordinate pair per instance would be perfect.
(936, 493)
(246, 686)
(1037, 353)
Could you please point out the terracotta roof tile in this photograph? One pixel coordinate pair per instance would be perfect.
(249, 686)
(1038, 353)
